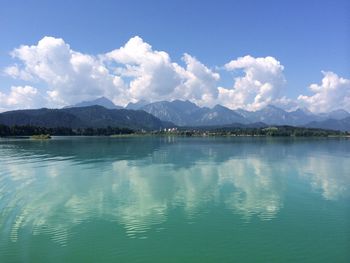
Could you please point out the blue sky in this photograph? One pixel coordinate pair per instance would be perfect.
(306, 37)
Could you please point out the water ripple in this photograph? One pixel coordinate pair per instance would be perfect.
(50, 192)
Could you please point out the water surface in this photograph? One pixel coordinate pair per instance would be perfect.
(169, 199)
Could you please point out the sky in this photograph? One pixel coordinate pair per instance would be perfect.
(241, 54)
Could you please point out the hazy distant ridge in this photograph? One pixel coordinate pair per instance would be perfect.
(102, 112)
(186, 113)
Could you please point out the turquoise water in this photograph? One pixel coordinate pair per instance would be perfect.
(168, 199)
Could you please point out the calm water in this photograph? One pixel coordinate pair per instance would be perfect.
(175, 200)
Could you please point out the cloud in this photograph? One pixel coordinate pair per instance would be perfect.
(151, 72)
(333, 93)
(132, 72)
(137, 71)
(15, 72)
(22, 96)
(156, 76)
(70, 76)
(201, 82)
(261, 84)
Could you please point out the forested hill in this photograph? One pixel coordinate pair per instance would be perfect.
(83, 117)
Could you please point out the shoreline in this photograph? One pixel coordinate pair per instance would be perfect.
(137, 135)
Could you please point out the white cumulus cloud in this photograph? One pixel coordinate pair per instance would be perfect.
(70, 76)
(137, 71)
(132, 72)
(155, 77)
(22, 96)
(333, 93)
(261, 84)
(201, 82)
(151, 72)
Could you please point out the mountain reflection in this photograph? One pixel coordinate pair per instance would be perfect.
(50, 187)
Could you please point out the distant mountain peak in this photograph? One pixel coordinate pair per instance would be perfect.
(273, 107)
(137, 105)
(104, 99)
(184, 102)
(302, 111)
(178, 100)
(185, 105)
(221, 107)
(218, 106)
(101, 101)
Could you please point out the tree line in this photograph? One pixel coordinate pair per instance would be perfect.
(29, 130)
(283, 131)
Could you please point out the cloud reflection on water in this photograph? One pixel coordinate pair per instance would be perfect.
(328, 174)
(56, 195)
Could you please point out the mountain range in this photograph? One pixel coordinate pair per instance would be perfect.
(163, 114)
(94, 116)
(186, 113)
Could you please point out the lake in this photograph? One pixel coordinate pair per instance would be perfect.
(172, 199)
